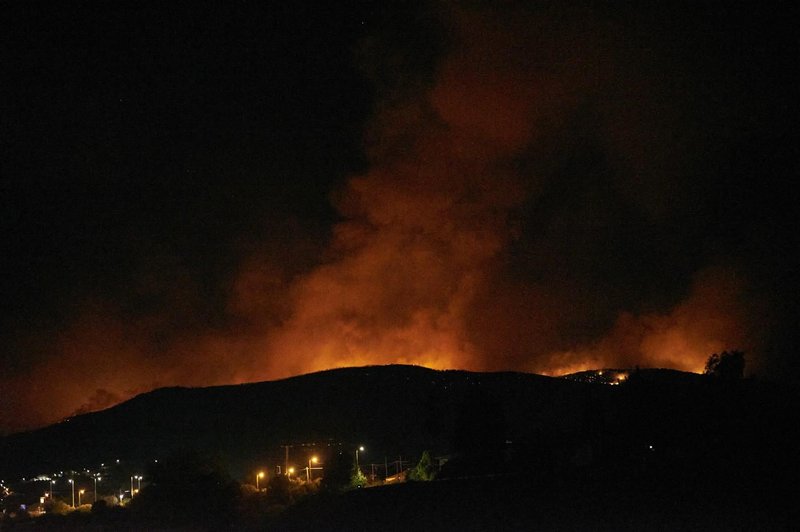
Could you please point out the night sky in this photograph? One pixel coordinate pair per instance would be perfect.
(252, 191)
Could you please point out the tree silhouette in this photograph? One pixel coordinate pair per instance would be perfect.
(726, 366)
(425, 470)
(357, 478)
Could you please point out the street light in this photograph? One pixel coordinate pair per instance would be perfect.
(139, 481)
(52, 495)
(79, 496)
(290, 471)
(308, 469)
(72, 483)
(96, 478)
(260, 475)
(360, 448)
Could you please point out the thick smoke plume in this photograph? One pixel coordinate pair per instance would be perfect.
(518, 213)
(422, 269)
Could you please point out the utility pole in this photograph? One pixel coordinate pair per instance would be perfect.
(286, 447)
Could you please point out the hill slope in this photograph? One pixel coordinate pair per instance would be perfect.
(394, 408)
(655, 419)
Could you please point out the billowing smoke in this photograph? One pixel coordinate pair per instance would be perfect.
(711, 319)
(530, 204)
(492, 229)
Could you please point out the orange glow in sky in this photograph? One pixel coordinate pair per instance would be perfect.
(423, 265)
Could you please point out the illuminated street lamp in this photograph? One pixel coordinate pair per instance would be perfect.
(258, 476)
(72, 483)
(290, 471)
(79, 496)
(308, 469)
(96, 478)
(360, 448)
(138, 479)
(52, 493)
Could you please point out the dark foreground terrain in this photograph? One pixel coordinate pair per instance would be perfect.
(645, 450)
(518, 503)
(515, 502)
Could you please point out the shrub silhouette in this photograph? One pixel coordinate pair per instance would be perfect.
(726, 366)
(425, 470)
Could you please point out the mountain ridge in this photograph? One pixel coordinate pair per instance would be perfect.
(312, 406)
(402, 410)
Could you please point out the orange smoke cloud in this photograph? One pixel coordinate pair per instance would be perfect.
(423, 233)
(470, 182)
(418, 271)
(714, 318)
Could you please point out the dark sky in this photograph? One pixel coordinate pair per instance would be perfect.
(204, 196)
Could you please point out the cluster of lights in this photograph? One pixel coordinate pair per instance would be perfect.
(619, 378)
(96, 477)
(608, 377)
(137, 478)
(291, 470)
(73, 488)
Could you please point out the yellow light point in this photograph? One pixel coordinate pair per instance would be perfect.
(82, 492)
(260, 474)
(291, 470)
(314, 459)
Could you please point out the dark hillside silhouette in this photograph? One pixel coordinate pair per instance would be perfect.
(709, 451)
(397, 409)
